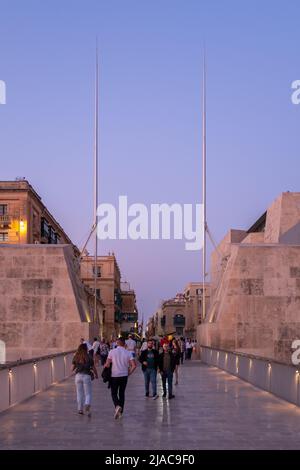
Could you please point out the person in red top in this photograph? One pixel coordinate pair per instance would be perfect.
(164, 340)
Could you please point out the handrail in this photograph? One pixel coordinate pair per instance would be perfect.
(21, 362)
(249, 355)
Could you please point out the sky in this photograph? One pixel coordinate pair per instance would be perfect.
(150, 115)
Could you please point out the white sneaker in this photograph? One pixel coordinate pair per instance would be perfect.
(118, 412)
(155, 397)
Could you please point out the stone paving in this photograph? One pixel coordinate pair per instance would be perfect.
(212, 410)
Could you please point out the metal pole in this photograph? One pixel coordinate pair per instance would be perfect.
(204, 184)
(96, 179)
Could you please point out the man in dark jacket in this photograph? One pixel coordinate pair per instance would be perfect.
(166, 366)
(149, 361)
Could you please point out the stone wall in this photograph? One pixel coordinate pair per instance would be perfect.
(43, 304)
(256, 288)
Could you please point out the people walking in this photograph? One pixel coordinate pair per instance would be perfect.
(89, 347)
(131, 345)
(96, 351)
(189, 349)
(177, 355)
(149, 360)
(123, 365)
(166, 366)
(182, 349)
(144, 345)
(104, 350)
(85, 370)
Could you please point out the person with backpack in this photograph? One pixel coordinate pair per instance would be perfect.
(85, 371)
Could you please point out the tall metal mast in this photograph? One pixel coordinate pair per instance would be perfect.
(96, 177)
(204, 184)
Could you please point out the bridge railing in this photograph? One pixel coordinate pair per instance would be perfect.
(23, 379)
(273, 376)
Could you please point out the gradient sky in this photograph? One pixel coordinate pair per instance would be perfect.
(150, 115)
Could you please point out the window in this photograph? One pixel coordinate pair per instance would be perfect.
(97, 271)
(199, 291)
(45, 229)
(3, 237)
(98, 293)
(3, 209)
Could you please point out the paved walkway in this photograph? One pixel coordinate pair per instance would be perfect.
(212, 410)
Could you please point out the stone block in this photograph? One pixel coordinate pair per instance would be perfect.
(252, 286)
(11, 333)
(37, 286)
(43, 335)
(26, 308)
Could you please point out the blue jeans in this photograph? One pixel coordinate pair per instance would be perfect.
(83, 384)
(150, 376)
(167, 376)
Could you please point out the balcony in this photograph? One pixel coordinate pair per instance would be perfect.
(5, 219)
(179, 320)
(129, 317)
(118, 298)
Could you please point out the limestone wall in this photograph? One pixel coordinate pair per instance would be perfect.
(43, 305)
(255, 280)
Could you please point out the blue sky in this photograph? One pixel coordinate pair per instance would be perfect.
(150, 115)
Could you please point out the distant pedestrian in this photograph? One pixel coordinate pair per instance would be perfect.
(166, 366)
(189, 349)
(177, 355)
(164, 340)
(123, 365)
(89, 347)
(85, 370)
(144, 345)
(149, 360)
(131, 345)
(104, 350)
(182, 349)
(96, 351)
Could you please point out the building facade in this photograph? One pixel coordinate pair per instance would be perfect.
(128, 318)
(108, 282)
(24, 219)
(255, 285)
(180, 315)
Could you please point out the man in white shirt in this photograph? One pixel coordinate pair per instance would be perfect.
(131, 345)
(122, 365)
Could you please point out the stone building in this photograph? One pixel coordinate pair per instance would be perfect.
(255, 285)
(129, 314)
(182, 314)
(108, 289)
(44, 306)
(25, 219)
(193, 294)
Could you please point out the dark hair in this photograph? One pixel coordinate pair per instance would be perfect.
(95, 339)
(81, 354)
(121, 339)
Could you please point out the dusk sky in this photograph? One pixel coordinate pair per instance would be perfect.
(150, 115)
